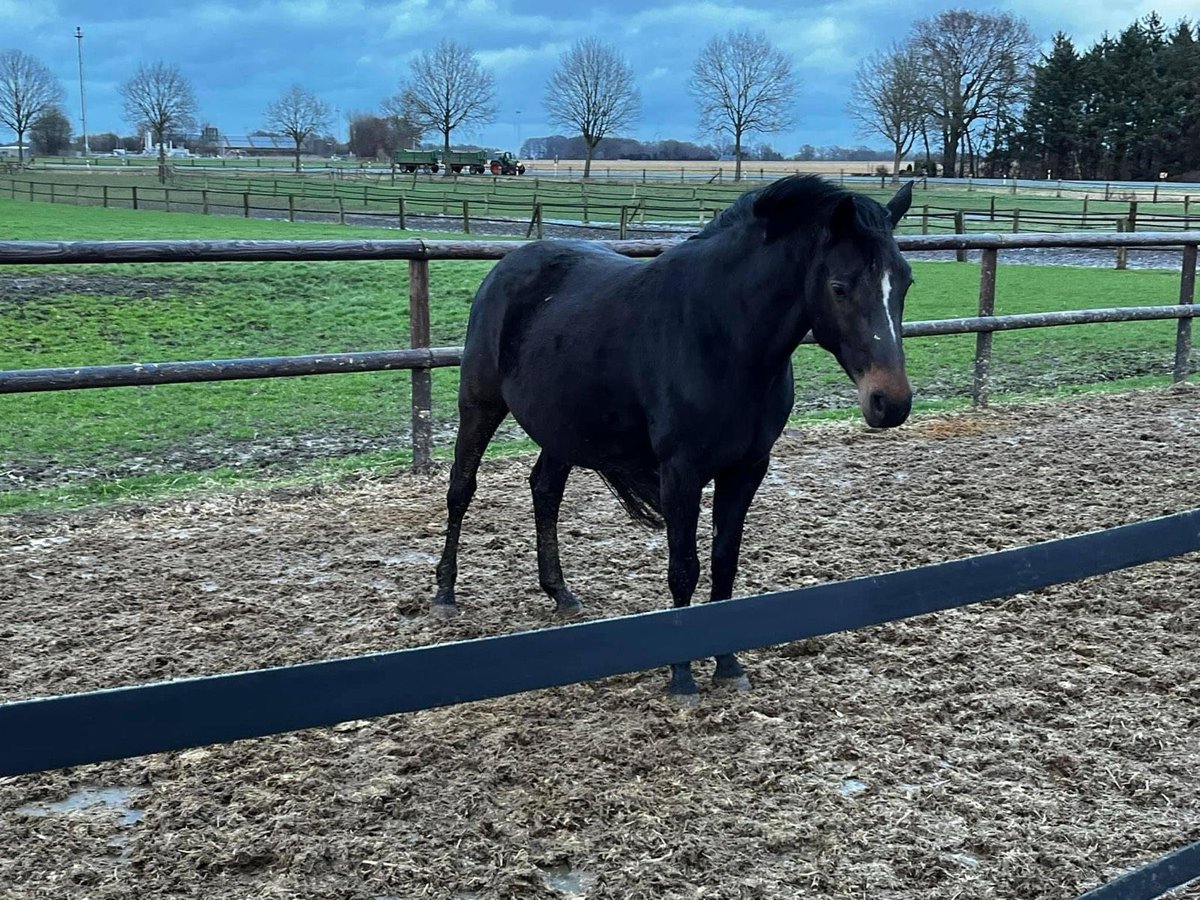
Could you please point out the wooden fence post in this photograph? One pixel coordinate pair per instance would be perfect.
(980, 386)
(167, 199)
(992, 209)
(401, 216)
(1016, 216)
(204, 201)
(624, 219)
(1083, 217)
(466, 213)
(924, 220)
(341, 211)
(52, 198)
(422, 379)
(1131, 224)
(104, 196)
(538, 213)
(1183, 332)
(246, 204)
(1122, 252)
(135, 199)
(960, 227)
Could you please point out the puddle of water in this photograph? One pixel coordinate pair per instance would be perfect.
(409, 557)
(565, 880)
(117, 799)
(963, 859)
(851, 786)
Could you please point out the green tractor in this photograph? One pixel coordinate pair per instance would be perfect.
(479, 162)
(506, 164)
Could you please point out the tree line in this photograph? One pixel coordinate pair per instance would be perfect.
(971, 92)
(741, 83)
(966, 92)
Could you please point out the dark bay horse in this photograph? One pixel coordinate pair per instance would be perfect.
(663, 376)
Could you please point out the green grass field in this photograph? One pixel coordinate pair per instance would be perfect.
(80, 446)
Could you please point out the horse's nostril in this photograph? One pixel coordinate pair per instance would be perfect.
(878, 403)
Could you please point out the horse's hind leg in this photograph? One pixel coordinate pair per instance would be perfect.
(477, 423)
(735, 489)
(547, 482)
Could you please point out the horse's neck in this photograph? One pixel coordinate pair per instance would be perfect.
(763, 316)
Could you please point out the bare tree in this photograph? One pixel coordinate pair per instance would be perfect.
(28, 89)
(299, 114)
(592, 90)
(158, 98)
(743, 85)
(973, 64)
(447, 89)
(888, 99)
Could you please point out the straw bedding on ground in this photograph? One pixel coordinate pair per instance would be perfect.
(1031, 748)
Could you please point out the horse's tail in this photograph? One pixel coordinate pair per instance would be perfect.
(638, 493)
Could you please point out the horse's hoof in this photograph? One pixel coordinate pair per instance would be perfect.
(732, 682)
(443, 610)
(569, 609)
(684, 701)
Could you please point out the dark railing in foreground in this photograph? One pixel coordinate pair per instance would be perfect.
(78, 729)
(422, 359)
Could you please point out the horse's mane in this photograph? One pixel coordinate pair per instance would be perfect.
(806, 200)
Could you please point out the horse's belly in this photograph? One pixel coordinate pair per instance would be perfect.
(586, 429)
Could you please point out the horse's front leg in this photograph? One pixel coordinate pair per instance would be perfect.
(681, 488)
(734, 491)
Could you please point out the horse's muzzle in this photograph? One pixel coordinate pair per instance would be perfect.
(885, 397)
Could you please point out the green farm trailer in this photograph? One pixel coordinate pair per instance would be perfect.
(416, 161)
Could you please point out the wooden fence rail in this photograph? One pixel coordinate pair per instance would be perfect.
(569, 204)
(421, 358)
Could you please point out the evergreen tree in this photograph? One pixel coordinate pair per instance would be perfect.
(1054, 114)
(1179, 128)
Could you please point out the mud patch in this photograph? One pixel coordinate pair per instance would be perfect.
(1032, 747)
(17, 290)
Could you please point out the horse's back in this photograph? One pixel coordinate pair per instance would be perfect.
(538, 292)
(555, 335)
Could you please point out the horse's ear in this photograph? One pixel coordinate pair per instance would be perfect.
(900, 204)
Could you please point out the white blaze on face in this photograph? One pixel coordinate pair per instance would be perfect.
(885, 294)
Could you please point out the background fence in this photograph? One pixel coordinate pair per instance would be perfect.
(534, 205)
(421, 358)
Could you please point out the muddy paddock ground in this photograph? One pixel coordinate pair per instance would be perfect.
(1028, 748)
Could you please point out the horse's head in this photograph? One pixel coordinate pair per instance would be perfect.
(856, 295)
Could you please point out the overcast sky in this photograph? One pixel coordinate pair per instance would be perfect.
(241, 55)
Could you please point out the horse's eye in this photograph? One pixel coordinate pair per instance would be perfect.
(839, 289)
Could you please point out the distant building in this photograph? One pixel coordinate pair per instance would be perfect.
(10, 151)
(212, 141)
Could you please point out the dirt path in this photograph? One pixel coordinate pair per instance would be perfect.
(1030, 748)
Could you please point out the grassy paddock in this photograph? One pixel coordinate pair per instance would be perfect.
(79, 446)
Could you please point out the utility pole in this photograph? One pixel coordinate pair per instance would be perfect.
(82, 101)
